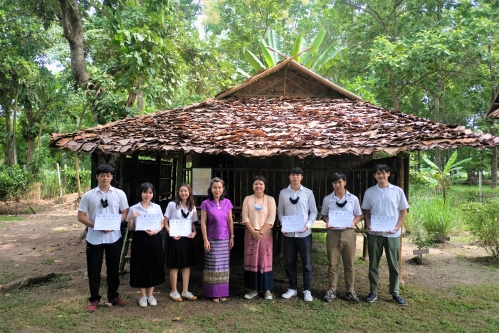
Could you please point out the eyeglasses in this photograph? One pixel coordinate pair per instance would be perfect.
(104, 203)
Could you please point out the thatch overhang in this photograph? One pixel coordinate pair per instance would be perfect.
(261, 127)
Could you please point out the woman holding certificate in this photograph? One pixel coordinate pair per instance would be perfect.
(341, 212)
(218, 239)
(180, 217)
(146, 257)
(258, 213)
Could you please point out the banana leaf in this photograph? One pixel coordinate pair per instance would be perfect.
(253, 60)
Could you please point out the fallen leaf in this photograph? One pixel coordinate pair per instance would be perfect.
(176, 318)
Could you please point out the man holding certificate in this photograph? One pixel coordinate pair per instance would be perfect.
(385, 208)
(102, 210)
(297, 213)
(341, 212)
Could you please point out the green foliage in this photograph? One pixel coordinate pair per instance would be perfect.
(50, 183)
(309, 58)
(14, 182)
(482, 222)
(443, 178)
(430, 217)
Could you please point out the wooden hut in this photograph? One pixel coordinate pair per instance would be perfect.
(285, 116)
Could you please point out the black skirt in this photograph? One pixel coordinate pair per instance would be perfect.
(180, 253)
(146, 260)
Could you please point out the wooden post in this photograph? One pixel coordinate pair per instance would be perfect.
(181, 164)
(59, 180)
(400, 165)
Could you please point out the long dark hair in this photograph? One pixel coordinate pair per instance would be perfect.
(217, 180)
(190, 199)
(142, 189)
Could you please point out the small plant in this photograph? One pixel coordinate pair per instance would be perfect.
(442, 179)
(482, 222)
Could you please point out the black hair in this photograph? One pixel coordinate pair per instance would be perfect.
(295, 171)
(190, 199)
(142, 189)
(336, 176)
(381, 167)
(259, 177)
(217, 180)
(104, 168)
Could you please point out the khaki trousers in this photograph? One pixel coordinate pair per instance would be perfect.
(341, 244)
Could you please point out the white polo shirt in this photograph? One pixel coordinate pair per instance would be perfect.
(352, 205)
(387, 201)
(306, 206)
(91, 204)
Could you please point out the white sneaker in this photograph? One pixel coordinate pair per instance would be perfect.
(307, 296)
(175, 296)
(289, 293)
(152, 300)
(143, 302)
(187, 295)
(268, 295)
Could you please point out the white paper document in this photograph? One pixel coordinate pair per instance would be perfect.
(293, 223)
(181, 228)
(148, 222)
(383, 223)
(107, 221)
(340, 219)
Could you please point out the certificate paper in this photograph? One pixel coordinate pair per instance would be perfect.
(340, 219)
(148, 222)
(107, 221)
(383, 223)
(294, 223)
(180, 227)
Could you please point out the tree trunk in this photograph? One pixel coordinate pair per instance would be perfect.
(8, 138)
(30, 115)
(436, 119)
(14, 144)
(392, 87)
(73, 32)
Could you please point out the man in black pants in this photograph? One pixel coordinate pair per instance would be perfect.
(297, 200)
(104, 199)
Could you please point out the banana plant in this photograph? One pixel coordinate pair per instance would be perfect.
(271, 51)
(443, 179)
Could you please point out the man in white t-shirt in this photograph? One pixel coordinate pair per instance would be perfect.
(104, 199)
(384, 201)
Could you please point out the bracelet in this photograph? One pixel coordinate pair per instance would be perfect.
(232, 235)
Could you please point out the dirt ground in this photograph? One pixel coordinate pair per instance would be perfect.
(48, 242)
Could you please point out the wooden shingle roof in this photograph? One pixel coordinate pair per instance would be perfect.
(272, 126)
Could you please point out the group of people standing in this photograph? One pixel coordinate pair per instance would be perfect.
(258, 215)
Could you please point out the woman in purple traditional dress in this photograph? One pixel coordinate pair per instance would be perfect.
(258, 214)
(218, 239)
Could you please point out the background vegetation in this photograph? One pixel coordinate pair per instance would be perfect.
(68, 64)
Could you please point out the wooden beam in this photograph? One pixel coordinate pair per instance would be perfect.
(181, 164)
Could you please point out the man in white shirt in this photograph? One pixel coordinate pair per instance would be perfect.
(384, 201)
(297, 200)
(104, 199)
(339, 208)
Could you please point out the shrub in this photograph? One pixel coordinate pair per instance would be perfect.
(14, 182)
(482, 222)
(434, 216)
